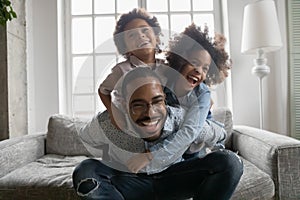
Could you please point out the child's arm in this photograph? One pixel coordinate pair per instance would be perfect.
(213, 133)
(105, 90)
(174, 146)
(106, 100)
(139, 161)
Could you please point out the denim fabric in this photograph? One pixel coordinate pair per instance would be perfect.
(213, 177)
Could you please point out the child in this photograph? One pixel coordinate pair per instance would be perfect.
(136, 37)
(200, 60)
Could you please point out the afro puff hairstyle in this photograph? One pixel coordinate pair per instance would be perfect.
(194, 39)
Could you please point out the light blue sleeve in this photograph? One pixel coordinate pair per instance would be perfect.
(171, 149)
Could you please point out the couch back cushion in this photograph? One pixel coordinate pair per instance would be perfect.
(224, 115)
(63, 139)
(62, 136)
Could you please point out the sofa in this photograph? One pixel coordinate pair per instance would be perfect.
(39, 166)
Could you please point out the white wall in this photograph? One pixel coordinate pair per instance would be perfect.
(43, 77)
(245, 85)
(17, 72)
(42, 63)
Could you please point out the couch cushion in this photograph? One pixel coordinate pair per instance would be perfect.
(49, 176)
(254, 184)
(49, 171)
(62, 136)
(224, 115)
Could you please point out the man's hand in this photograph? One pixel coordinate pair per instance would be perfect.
(138, 162)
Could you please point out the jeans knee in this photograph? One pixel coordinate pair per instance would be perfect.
(231, 162)
(83, 171)
(235, 164)
(87, 186)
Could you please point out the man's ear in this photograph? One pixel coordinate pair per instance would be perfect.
(125, 106)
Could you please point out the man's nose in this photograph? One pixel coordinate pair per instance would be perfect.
(150, 110)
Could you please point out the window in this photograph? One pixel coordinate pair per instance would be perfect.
(91, 52)
(294, 66)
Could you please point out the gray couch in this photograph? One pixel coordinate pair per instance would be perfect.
(39, 166)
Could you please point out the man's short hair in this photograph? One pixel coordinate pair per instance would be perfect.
(139, 72)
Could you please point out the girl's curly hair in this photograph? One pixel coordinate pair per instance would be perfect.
(140, 13)
(194, 39)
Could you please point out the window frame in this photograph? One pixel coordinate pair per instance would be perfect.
(68, 63)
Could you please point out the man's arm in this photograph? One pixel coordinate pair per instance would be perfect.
(91, 134)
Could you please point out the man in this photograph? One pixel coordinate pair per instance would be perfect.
(213, 177)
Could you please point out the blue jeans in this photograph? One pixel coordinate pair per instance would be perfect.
(212, 177)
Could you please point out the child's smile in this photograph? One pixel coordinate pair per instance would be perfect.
(140, 38)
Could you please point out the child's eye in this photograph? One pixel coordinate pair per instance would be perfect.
(205, 69)
(131, 35)
(146, 29)
(194, 63)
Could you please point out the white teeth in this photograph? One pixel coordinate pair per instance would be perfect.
(150, 123)
(194, 78)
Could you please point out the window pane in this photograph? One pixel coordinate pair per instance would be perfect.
(104, 64)
(163, 21)
(81, 7)
(83, 106)
(104, 28)
(203, 5)
(180, 22)
(180, 5)
(126, 6)
(157, 5)
(164, 24)
(208, 19)
(82, 35)
(104, 6)
(83, 74)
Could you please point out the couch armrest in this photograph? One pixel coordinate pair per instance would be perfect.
(275, 154)
(19, 151)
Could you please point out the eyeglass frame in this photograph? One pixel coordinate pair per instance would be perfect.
(156, 105)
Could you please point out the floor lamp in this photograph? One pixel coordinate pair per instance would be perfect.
(260, 35)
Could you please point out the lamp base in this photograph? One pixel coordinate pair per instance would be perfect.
(260, 68)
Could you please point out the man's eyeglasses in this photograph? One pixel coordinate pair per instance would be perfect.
(142, 106)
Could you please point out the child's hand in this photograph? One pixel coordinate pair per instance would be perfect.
(138, 162)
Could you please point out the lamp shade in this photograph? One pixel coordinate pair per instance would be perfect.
(260, 28)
